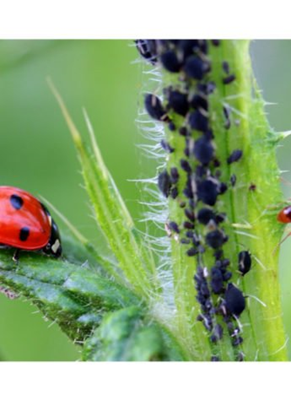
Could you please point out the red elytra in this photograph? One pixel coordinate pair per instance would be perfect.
(25, 223)
(284, 215)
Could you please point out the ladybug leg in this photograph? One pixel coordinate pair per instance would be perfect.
(15, 257)
(283, 240)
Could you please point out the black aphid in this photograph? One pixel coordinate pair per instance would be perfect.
(237, 341)
(235, 156)
(225, 67)
(227, 276)
(185, 241)
(155, 108)
(226, 112)
(170, 61)
(194, 67)
(178, 102)
(228, 79)
(218, 331)
(174, 193)
(222, 187)
(174, 175)
(188, 192)
(203, 150)
(199, 101)
(205, 215)
(172, 126)
(207, 192)
(174, 227)
(215, 239)
(147, 49)
(233, 180)
(192, 252)
(188, 225)
(189, 214)
(216, 280)
(164, 183)
(187, 47)
(244, 262)
(198, 121)
(234, 300)
(225, 262)
(190, 234)
(185, 165)
(206, 88)
(215, 42)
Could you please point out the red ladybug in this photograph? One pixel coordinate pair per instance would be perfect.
(284, 215)
(26, 224)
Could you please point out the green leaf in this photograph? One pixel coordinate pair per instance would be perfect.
(73, 296)
(124, 336)
(134, 257)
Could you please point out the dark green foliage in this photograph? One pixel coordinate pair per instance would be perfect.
(124, 335)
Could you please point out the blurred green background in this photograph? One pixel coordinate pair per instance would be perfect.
(37, 154)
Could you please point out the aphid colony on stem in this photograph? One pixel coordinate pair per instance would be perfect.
(221, 302)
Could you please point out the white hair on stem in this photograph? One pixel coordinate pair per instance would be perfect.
(155, 205)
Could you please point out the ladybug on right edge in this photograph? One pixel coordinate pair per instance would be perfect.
(26, 224)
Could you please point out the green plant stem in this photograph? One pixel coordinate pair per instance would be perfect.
(264, 336)
(248, 225)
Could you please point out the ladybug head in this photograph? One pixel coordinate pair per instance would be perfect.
(54, 246)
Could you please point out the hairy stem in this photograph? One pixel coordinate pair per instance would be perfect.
(221, 160)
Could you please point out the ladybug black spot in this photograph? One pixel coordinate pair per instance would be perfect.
(16, 201)
(24, 233)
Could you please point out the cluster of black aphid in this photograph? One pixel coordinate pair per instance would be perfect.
(185, 110)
